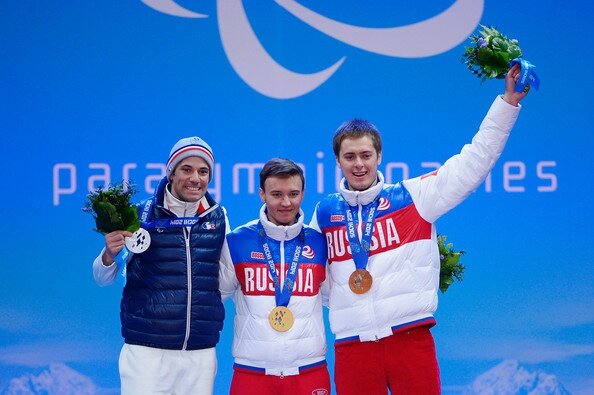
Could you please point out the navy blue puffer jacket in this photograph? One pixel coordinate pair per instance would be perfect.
(171, 299)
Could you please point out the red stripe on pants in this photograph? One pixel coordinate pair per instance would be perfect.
(404, 363)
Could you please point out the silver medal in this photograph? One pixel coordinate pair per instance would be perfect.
(139, 241)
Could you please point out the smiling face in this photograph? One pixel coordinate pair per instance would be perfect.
(283, 197)
(358, 160)
(189, 179)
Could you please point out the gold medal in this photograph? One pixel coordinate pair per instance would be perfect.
(281, 319)
(360, 281)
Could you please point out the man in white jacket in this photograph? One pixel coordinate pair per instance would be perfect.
(383, 256)
(274, 267)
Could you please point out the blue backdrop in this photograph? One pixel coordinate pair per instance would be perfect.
(93, 92)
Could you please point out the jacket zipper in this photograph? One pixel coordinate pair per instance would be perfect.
(281, 280)
(189, 278)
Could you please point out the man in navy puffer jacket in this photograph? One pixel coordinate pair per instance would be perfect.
(171, 309)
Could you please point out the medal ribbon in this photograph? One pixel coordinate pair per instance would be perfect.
(360, 248)
(120, 260)
(177, 222)
(282, 296)
(527, 75)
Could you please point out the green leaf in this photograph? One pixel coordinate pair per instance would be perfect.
(130, 219)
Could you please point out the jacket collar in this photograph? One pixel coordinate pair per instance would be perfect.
(181, 208)
(354, 198)
(280, 232)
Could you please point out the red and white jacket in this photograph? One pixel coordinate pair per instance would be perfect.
(257, 347)
(404, 258)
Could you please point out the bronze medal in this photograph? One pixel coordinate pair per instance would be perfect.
(281, 319)
(360, 281)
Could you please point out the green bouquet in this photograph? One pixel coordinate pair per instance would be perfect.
(450, 267)
(490, 54)
(112, 209)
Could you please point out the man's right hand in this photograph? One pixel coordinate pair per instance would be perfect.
(510, 95)
(114, 243)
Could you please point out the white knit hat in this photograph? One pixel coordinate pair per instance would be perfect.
(190, 146)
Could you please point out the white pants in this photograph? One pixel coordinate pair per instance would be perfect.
(147, 370)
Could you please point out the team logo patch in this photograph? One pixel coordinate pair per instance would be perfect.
(336, 218)
(308, 252)
(384, 204)
(257, 255)
(208, 226)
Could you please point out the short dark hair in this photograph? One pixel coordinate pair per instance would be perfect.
(354, 129)
(283, 168)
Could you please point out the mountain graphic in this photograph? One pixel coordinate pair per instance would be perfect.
(58, 379)
(510, 378)
(507, 378)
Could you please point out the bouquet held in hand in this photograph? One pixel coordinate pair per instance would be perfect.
(112, 209)
(492, 54)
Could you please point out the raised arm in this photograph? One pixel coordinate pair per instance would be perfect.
(436, 193)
